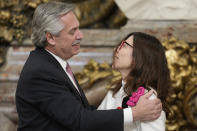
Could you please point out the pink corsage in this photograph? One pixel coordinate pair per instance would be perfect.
(135, 97)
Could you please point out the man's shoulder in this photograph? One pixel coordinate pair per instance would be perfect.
(38, 55)
(40, 58)
(38, 62)
(39, 67)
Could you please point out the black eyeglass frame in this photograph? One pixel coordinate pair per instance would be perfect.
(122, 43)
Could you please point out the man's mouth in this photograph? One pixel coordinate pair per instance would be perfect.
(77, 44)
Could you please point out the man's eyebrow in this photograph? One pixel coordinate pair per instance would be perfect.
(74, 28)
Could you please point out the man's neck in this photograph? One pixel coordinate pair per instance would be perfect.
(53, 51)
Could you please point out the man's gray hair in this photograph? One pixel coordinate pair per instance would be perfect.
(47, 19)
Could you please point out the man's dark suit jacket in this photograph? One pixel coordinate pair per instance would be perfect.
(46, 100)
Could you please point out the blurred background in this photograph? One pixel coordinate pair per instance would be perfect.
(104, 23)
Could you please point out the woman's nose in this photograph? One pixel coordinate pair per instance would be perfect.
(116, 51)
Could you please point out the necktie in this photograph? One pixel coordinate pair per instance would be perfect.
(69, 71)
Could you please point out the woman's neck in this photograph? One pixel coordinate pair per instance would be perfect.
(124, 74)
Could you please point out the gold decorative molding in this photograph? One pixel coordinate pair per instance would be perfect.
(182, 62)
(3, 52)
(16, 17)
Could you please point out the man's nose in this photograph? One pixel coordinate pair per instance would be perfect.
(79, 35)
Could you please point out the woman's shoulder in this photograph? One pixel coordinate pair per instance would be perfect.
(154, 95)
(107, 102)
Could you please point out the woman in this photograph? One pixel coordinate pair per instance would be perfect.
(141, 60)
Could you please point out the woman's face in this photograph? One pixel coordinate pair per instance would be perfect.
(123, 56)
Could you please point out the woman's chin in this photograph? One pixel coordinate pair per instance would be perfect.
(114, 67)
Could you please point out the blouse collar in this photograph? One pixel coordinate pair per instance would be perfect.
(123, 83)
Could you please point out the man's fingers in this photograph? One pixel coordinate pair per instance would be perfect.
(158, 103)
(148, 94)
(157, 114)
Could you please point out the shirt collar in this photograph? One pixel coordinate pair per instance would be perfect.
(123, 83)
(62, 62)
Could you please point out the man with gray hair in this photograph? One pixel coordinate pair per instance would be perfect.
(48, 97)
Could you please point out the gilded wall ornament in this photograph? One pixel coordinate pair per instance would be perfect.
(16, 16)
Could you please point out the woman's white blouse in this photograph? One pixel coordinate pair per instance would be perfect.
(112, 102)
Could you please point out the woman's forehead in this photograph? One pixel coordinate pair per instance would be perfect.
(130, 39)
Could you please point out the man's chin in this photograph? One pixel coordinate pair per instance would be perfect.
(76, 47)
(76, 52)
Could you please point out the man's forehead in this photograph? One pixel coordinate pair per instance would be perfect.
(70, 21)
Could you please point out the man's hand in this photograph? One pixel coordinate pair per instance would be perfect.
(147, 110)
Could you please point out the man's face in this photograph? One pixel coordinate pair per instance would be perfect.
(63, 44)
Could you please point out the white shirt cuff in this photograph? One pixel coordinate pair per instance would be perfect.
(128, 116)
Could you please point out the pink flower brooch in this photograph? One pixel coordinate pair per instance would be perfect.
(135, 97)
(132, 99)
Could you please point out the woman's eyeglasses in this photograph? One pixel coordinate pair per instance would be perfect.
(123, 43)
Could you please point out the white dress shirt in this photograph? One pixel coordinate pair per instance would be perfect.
(112, 102)
(63, 64)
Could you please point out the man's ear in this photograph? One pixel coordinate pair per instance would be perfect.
(50, 39)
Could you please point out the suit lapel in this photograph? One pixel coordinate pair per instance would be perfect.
(79, 93)
(70, 83)
(82, 93)
(65, 76)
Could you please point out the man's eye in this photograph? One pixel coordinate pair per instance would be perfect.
(72, 32)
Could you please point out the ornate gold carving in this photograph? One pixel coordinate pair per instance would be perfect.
(89, 13)
(3, 52)
(5, 16)
(182, 64)
(16, 16)
(15, 19)
(93, 72)
(190, 104)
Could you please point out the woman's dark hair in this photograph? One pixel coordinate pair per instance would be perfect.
(149, 67)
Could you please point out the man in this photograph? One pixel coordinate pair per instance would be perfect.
(48, 97)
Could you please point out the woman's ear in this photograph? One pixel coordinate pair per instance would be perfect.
(50, 39)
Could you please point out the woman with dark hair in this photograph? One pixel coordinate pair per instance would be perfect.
(140, 58)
